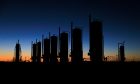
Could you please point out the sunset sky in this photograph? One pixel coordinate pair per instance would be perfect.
(26, 20)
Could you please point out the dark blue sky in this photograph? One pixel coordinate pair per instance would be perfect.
(27, 20)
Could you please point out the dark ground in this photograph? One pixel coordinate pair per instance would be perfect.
(72, 73)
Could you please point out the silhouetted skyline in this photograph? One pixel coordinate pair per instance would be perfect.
(27, 20)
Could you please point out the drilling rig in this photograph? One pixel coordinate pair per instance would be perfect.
(17, 52)
(121, 52)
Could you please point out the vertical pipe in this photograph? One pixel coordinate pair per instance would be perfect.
(32, 50)
(42, 45)
(18, 41)
(71, 38)
(59, 51)
(118, 51)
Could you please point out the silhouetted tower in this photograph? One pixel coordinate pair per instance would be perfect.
(38, 52)
(34, 52)
(17, 52)
(53, 58)
(46, 51)
(96, 50)
(121, 52)
(76, 44)
(63, 44)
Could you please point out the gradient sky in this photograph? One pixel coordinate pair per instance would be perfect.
(27, 20)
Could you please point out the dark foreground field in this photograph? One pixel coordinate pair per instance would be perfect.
(84, 64)
(85, 72)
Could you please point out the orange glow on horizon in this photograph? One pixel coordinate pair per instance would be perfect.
(8, 56)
